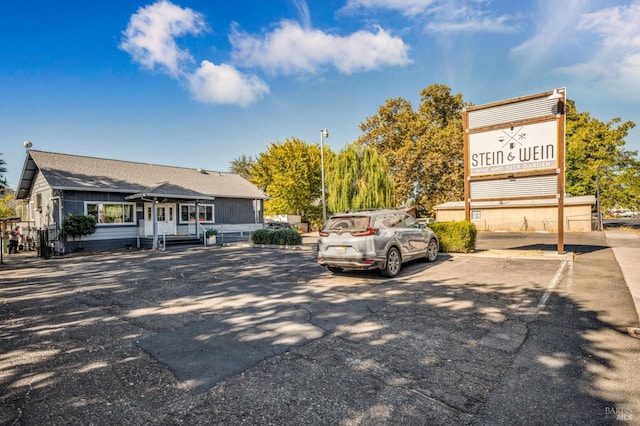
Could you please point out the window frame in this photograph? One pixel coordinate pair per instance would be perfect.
(209, 213)
(101, 216)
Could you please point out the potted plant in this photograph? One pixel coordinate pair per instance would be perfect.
(211, 236)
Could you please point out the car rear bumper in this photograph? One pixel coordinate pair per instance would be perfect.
(361, 263)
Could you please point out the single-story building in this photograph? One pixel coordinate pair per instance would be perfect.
(134, 204)
(523, 215)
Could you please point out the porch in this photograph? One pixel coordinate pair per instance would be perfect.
(146, 242)
(226, 234)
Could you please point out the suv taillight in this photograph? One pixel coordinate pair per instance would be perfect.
(368, 231)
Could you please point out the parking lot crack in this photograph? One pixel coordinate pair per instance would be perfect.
(507, 336)
(437, 401)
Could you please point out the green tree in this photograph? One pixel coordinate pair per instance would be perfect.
(423, 148)
(7, 206)
(391, 132)
(441, 159)
(596, 149)
(358, 178)
(7, 203)
(290, 172)
(242, 166)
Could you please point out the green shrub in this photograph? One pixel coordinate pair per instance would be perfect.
(259, 236)
(455, 237)
(281, 237)
(78, 226)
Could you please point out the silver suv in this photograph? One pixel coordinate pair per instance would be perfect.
(383, 239)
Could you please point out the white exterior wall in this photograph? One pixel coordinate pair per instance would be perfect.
(577, 218)
(45, 214)
(111, 233)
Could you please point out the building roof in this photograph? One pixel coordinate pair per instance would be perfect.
(78, 173)
(568, 201)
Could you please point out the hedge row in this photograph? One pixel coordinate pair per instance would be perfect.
(455, 237)
(281, 237)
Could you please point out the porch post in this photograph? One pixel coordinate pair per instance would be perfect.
(154, 218)
(197, 218)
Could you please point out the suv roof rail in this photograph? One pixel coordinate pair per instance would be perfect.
(380, 209)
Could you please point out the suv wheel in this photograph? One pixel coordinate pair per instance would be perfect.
(393, 264)
(335, 269)
(432, 250)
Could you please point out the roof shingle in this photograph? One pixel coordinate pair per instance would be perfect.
(74, 172)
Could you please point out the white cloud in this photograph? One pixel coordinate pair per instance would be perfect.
(150, 39)
(303, 12)
(552, 34)
(151, 33)
(290, 49)
(615, 62)
(223, 84)
(474, 23)
(409, 8)
(445, 16)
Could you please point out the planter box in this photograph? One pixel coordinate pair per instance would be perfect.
(211, 240)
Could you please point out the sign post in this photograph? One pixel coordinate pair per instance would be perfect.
(515, 149)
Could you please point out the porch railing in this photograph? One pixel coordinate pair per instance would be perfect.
(235, 231)
(204, 233)
(163, 245)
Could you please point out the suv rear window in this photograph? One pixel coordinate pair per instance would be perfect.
(346, 224)
(393, 220)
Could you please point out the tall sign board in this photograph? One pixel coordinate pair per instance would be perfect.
(514, 149)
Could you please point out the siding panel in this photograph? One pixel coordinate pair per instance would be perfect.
(511, 188)
(236, 210)
(520, 111)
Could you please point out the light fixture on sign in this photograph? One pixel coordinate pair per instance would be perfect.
(555, 95)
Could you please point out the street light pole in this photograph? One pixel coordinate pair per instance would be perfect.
(598, 204)
(323, 134)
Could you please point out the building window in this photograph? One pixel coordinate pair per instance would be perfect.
(205, 213)
(476, 214)
(111, 213)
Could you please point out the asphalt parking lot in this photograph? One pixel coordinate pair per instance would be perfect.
(246, 335)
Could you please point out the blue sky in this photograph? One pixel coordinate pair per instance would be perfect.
(198, 83)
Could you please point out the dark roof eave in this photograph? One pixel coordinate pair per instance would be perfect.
(246, 197)
(139, 195)
(91, 189)
(142, 195)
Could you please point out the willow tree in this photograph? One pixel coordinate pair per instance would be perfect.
(358, 178)
(290, 173)
(424, 148)
(391, 132)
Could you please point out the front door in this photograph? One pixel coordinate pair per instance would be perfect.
(166, 219)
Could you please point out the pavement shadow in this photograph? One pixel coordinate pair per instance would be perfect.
(257, 336)
(578, 243)
(574, 248)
